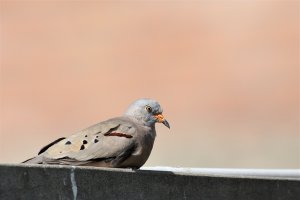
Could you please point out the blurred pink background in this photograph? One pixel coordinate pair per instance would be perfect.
(226, 74)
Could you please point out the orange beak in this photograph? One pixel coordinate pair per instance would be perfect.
(161, 119)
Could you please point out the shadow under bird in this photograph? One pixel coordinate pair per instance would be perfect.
(121, 142)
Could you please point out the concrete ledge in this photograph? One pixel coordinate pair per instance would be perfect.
(66, 182)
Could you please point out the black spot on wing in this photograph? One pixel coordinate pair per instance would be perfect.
(68, 142)
(82, 147)
(84, 142)
(49, 145)
(95, 141)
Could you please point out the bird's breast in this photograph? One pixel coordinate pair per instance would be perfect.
(144, 145)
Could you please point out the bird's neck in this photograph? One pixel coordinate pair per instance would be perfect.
(141, 121)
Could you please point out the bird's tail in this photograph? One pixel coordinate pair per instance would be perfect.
(35, 160)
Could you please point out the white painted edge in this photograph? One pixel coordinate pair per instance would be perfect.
(232, 172)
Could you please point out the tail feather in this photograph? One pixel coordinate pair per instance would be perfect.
(39, 159)
(35, 160)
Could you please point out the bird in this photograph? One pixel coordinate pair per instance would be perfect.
(120, 142)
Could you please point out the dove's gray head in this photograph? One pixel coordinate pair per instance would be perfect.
(147, 111)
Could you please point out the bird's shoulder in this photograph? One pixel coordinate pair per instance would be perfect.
(123, 124)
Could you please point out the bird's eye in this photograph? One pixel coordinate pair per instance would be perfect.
(149, 109)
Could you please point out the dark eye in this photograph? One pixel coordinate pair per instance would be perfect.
(149, 109)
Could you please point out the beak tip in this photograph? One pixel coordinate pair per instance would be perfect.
(166, 123)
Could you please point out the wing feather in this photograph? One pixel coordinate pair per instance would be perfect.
(113, 138)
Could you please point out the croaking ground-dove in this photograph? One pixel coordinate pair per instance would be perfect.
(124, 141)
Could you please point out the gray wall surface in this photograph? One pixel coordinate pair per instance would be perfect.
(65, 182)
